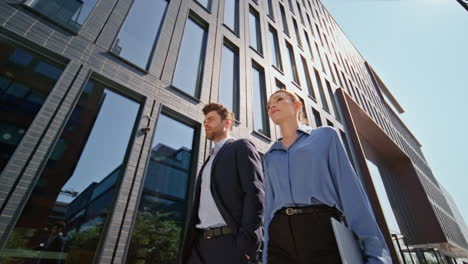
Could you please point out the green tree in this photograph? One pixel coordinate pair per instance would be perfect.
(155, 239)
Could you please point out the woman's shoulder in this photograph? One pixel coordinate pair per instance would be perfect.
(325, 131)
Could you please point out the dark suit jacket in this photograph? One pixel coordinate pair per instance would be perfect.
(237, 189)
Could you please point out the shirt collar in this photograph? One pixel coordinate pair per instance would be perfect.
(302, 129)
(219, 145)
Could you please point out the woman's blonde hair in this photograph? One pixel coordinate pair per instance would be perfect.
(294, 99)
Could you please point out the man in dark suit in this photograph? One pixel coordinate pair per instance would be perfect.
(225, 222)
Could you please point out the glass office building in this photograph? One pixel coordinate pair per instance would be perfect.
(101, 130)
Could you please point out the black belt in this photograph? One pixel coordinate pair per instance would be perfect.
(215, 232)
(308, 210)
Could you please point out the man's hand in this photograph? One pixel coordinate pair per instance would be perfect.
(247, 257)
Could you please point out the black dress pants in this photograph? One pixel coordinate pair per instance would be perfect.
(305, 238)
(216, 250)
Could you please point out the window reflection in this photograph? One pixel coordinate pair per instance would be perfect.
(69, 13)
(162, 211)
(140, 31)
(275, 50)
(231, 14)
(205, 3)
(261, 123)
(25, 82)
(63, 219)
(255, 30)
(190, 62)
(229, 82)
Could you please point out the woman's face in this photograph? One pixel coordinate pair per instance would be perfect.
(282, 108)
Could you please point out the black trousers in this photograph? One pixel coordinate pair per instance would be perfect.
(303, 238)
(217, 250)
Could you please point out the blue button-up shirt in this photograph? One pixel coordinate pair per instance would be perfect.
(316, 170)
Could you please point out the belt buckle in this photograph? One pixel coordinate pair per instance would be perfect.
(206, 233)
(289, 211)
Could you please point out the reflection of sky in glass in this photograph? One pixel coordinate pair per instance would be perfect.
(226, 85)
(230, 10)
(190, 54)
(205, 3)
(172, 134)
(106, 145)
(138, 34)
(274, 48)
(383, 198)
(253, 31)
(72, 13)
(81, 15)
(257, 98)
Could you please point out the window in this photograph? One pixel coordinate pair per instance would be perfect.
(317, 118)
(333, 101)
(255, 31)
(136, 40)
(329, 123)
(330, 69)
(299, 10)
(310, 87)
(161, 216)
(291, 7)
(292, 64)
(296, 30)
(190, 62)
(279, 85)
(275, 49)
(74, 193)
(270, 8)
(260, 115)
(310, 53)
(205, 3)
(320, 56)
(322, 93)
(26, 80)
(231, 15)
(305, 119)
(69, 14)
(284, 20)
(229, 81)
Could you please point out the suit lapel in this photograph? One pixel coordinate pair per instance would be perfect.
(220, 152)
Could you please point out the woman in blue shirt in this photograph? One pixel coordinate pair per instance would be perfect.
(308, 179)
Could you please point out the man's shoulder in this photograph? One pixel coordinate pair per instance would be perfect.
(243, 142)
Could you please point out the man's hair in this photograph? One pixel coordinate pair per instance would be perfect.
(223, 111)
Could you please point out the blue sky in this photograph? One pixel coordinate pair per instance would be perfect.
(420, 50)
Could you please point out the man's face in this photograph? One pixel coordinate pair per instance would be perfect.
(214, 126)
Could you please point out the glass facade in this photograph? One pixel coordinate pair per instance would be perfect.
(64, 218)
(260, 115)
(70, 14)
(255, 31)
(292, 64)
(159, 225)
(310, 87)
(205, 3)
(26, 80)
(275, 49)
(229, 79)
(284, 20)
(231, 14)
(190, 62)
(322, 93)
(140, 29)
